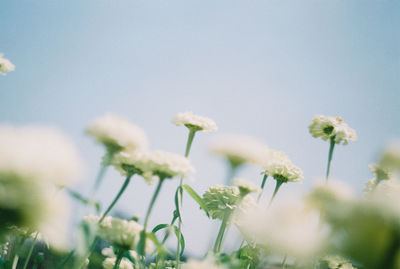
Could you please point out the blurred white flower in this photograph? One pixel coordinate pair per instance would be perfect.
(109, 263)
(281, 168)
(239, 149)
(246, 186)
(285, 228)
(327, 127)
(337, 262)
(121, 232)
(370, 186)
(391, 156)
(221, 200)
(38, 152)
(205, 264)
(195, 122)
(324, 193)
(117, 134)
(5, 65)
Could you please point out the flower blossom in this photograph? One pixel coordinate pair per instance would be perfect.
(205, 264)
(221, 200)
(5, 65)
(282, 169)
(328, 127)
(195, 122)
(246, 186)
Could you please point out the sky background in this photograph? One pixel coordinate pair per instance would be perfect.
(260, 68)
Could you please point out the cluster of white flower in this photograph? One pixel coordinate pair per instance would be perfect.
(117, 134)
(5, 65)
(153, 163)
(221, 200)
(281, 168)
(391, 156)
(246, 186)
(327, 127)
(337, 262)
(195, 122)
(38, 152)
(241, 149)
(118, 231)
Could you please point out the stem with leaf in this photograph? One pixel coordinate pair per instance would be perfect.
(30, 250)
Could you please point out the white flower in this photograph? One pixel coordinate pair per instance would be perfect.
(246, 208)
(370, 186)
(246, 186)
(281, 168)
(109, 263)
(205, 264)
(37, 152)
(337, 262)
(241, 149)
(285, 228)
(121, 232)
(117, 134)
(195, 122)
(380, 172)
(221, 200)
(109, 253)
(155, 163)
(327, 127)
(5, 65)
(327, 192)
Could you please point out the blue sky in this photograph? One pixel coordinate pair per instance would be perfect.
(262, 68)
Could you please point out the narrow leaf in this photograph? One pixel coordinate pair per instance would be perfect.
(182, 239)
(178, 202)
(196, 197)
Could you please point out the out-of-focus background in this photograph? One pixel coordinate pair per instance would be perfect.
(261, 68)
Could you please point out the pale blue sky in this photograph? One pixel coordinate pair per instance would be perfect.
(262, 68)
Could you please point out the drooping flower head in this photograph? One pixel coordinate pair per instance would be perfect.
(246, 186)
(5, 65)
(121, 232)
(221, 200)
(117, 134)
(38, 153)
(281, 168)
(327, 127)
(195, 122)
(159, 164)
(239, 149)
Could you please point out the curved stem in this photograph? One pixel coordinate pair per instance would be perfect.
(218, 240)
(277, 186)
(330, 154)
(121, 191)
(284, 262)
(30, 250)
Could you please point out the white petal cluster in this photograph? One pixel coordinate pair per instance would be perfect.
(154, 163)
(391, 156)
(246, 186)
(239, 149)
(281, 168)
(195, 122)
(109, 263)
(327, 127)
(117, 133)
(337, 262)
(38, 152)
(285, 228)
(5, 65)
(118, 231)
(326, 192)
(205, 264)
(221, 200)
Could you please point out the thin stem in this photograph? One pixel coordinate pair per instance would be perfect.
(142, 240)
(262, 187)
(233, 168)
(31, 250)
(187, 151)
(64, 261)
(284, 262)
(16, 256)
(277, 186)
(218, 240)
(119, 259)
(331, 147)
(121, 191)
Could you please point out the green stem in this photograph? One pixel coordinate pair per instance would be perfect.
(218, 240)
(331, 147)
(121, 191)
(64, 261)
(100, 176)
(16, 256)
(277, 186)
(119, 259)
(31, 250)
(142, 240)
(262, 187)
(284, 262)
(187, 151)
(233, 168)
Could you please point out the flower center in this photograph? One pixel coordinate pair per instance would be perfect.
(328, 130)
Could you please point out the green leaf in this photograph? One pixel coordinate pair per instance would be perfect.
(182, 239)
(178, 202)
(159, 227)
(157, 243)
(83, 199)
(196, 197)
